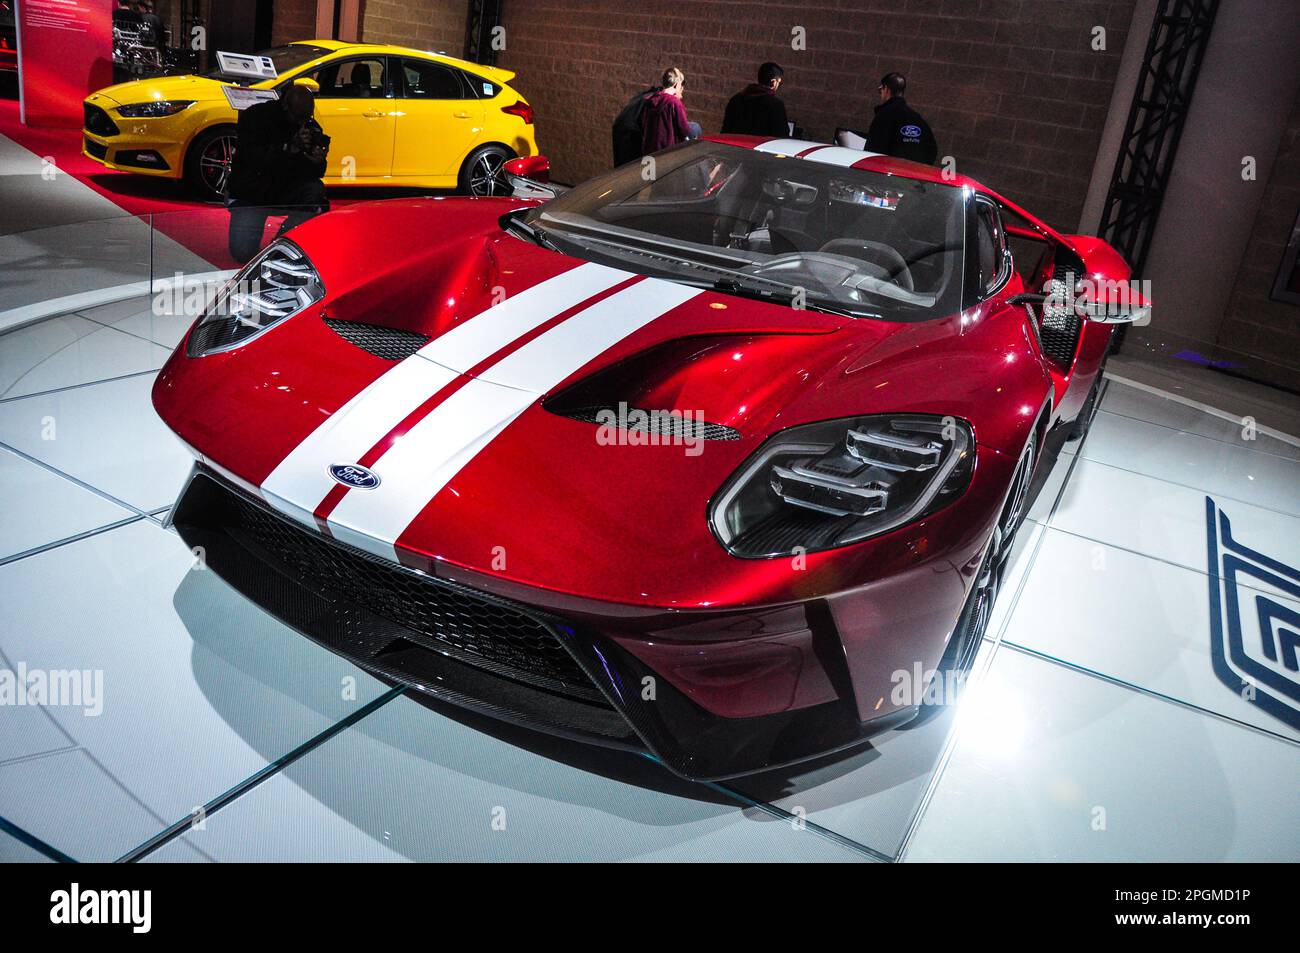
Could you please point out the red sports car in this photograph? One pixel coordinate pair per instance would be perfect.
(706, 456)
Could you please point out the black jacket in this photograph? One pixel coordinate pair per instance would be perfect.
(269, 160)
(899, 130)
(627, 128)
(756, 111)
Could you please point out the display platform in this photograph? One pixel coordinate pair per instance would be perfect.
(1095, 727)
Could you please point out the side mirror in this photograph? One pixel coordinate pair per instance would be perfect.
(530, 177)
(1111, 302)
(308, 83)
(536, 168)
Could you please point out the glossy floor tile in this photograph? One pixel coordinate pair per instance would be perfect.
(70, 351)
(408, 784)
(1132, 618)
(1051, 765)
(38, 507)
(1127, 401)
(150, 317)
(1191, 460)
(106, 435)
(198, 689)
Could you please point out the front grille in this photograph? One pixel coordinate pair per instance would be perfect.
(450, 619)
(392, 344)
(665, 425)
(95, 149)
(97, 121)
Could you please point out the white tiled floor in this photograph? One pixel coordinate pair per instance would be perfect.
(1095, 726)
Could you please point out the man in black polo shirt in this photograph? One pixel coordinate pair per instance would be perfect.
(898, 129)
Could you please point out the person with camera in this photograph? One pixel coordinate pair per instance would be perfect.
(276, 169)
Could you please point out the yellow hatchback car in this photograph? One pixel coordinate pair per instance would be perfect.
(395, 116)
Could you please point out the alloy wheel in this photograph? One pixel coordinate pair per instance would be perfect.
(214, 163)
(485, 177)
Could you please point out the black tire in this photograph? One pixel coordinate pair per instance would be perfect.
(481, 173)
(959, 656)
(207, 163)
(1079, 428)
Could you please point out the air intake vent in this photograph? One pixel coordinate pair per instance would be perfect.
(1061, 326)
(665, 424)
(392, 344)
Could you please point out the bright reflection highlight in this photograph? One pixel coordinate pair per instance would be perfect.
(991, 721)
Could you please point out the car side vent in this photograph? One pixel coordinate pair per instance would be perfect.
(392, 344)
(1061, 327)
(672, 425)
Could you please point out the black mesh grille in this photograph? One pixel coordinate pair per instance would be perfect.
(392, 344)
(97, 121)
(214, 334)
(672, 426)
(1060, 328)
(95, 149)
(450, 619)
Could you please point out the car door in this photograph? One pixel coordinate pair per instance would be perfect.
(440, 119)
(355, 107)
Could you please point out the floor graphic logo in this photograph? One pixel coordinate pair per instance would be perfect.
(1254, 625)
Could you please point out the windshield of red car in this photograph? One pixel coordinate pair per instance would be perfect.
(748, 221)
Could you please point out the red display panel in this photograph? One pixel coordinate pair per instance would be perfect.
(65, 51)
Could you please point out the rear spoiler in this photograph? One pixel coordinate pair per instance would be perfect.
(502, 76)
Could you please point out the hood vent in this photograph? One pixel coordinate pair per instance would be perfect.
(391, 344)
(663, 424)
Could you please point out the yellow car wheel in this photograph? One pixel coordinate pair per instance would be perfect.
(482, 173)
(207, 163)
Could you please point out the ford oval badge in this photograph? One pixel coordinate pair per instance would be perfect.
(911, 132)
(355, 476)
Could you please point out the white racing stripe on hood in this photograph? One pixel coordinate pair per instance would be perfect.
(839, 155)
(301, 480)
(428, 456)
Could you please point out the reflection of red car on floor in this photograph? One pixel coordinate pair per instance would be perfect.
(706, 464)
(8, 38)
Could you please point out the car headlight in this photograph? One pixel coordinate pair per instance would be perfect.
(824, 485)
(280, 282)
(154, 108)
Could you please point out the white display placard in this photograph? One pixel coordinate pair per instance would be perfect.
(240, 98)
(245, 64)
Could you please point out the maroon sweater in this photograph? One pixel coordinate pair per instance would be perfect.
(663, 122)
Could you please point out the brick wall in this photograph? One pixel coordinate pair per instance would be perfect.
(293, 20)
(1012, 88)
(437, 25)
(1254, 324)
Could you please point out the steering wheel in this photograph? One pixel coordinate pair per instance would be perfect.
(897, 271)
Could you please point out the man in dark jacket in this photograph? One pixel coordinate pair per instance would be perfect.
(756, 110)
(627, 128)
(277, 167)
(663, 119)
(898, 129)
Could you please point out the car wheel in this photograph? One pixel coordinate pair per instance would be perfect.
(482, 173)
(1082, 423)
(959, 656)
(207, 164)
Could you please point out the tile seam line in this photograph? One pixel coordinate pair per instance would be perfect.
(1204, 408)
(70, 478)
(1188, 486)
(950, 743)
(68, 387)
(1148, 692)
(34, 842)
(66, 540)
(176, 829)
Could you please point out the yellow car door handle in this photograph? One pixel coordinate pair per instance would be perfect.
(461, 115)
(372, 115)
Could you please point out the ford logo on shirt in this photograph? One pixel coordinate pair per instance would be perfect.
(355, 476)
(911, 132)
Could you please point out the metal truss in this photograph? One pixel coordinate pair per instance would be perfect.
(483, 16)
(1161, 100)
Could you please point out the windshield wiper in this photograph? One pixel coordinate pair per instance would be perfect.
(530, 232)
